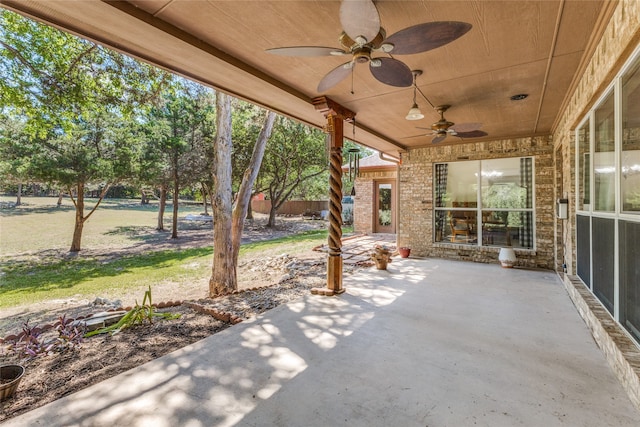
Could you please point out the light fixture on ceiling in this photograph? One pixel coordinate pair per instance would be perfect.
(415, 113)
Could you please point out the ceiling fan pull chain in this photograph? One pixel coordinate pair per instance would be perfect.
(352, 92)
(353, 129)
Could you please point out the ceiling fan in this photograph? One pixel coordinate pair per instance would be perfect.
(362, 36)
(443, 127)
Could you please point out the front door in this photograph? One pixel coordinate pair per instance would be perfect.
(384, 207)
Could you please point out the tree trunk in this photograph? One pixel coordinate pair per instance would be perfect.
(176, 194)
(80, 218)
(223, 273)
(144, 199)
(19, 195)
(207, 191)
(272, 216)
(161, 207)
(244, 193)
(228, 221)
(174, 218)
(204, 199)
(250, 210)
(59, 202)
(79, 222)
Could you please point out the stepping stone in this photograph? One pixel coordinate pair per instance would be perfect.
(101, 320)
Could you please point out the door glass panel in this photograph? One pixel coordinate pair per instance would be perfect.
(630, 177)
(584, 167)
(604, 158)
(384, 204)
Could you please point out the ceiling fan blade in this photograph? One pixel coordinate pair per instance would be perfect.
(360, 18)
(335, 76)
(472, 134)
(308, 51)
(392, 72)
(427, 36)
(439, 138)
(466, 127)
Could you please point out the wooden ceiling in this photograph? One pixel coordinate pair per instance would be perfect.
(531, 47)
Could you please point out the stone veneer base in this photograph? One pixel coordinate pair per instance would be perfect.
(621, 352)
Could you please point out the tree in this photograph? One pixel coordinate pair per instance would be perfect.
(228, 217)
(76, 100)
(151, 169)
(295, 154)
(14, 155)
(247, 121)
(96, 153)
(178, 149)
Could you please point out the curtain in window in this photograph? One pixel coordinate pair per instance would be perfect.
(441, 184)
(441, 190)
(526, 182)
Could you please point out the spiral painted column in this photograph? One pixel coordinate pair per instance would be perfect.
(335, 200)
(335, 115)
(334, 262)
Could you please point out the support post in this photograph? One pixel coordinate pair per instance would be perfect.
(336, 115)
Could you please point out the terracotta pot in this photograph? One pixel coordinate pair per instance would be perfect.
(404, 252)
(10, 376)
(381, 264)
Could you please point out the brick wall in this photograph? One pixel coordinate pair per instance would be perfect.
(415, 184)
(363, 200)
(619, 40)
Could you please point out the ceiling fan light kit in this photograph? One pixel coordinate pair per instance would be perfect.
(414, 112)
(362, 36)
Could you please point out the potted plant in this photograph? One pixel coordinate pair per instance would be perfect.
(381, 255)
(507, 255)
(404, 251)
(10, 376)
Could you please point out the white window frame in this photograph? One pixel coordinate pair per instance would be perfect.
(479, 207)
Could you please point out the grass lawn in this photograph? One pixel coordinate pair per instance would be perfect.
(40, 226)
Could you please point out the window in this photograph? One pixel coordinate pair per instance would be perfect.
(630, 164)
(607, 223)
(604, 166)
(584, 166)
(488, 203)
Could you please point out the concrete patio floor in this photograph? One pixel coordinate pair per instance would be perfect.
(426, 343)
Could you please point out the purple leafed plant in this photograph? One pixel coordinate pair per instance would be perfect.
(30, 343)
